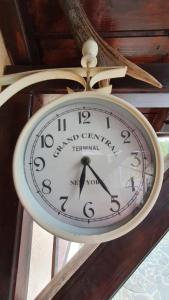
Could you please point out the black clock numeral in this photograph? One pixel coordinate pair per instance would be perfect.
(47, 141)
(115, 203)
(125, 134)
(137, 160)
(61, 124)
(46, 186)
(39, 162)
(108, 122)
(84, 116)
(131, 183)
(88, 210)
(65, 198)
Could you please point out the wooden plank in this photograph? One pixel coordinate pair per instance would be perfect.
(156, 50)
(106, 16)
(113, 262)
(104, 34)
(66, 272)
(22, 268)
(13, 116)
(126, 15)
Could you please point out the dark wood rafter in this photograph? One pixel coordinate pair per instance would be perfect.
(15, 37)
(108, 16)
(32, 42)
(106, 34)
(156, 116)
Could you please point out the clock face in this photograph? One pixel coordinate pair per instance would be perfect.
(87, 163)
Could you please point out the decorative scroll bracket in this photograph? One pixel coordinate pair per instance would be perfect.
(88, 70)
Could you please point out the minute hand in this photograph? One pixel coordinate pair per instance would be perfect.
(99, 180)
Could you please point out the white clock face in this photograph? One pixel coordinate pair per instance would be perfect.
(112, 187)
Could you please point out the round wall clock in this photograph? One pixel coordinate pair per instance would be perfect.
(87, 167)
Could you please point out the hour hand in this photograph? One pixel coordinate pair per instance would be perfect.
(82, 179)
(85, 160)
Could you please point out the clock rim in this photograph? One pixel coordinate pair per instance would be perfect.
(39, 214)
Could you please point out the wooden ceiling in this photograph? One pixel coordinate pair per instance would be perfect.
(38, 31)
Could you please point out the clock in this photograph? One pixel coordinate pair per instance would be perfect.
(87, 167)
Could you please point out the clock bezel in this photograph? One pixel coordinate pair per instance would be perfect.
(51, 224)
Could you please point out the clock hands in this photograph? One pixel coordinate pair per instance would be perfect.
(86, 162)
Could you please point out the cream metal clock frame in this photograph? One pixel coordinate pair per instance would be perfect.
(66, 231)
